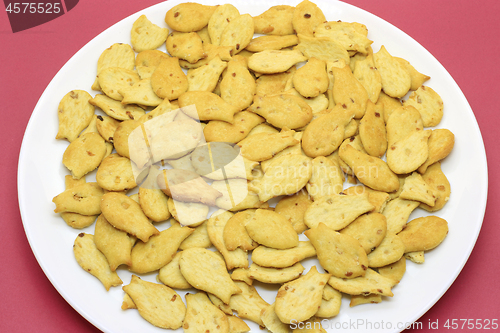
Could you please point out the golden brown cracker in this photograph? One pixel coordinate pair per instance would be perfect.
(268, 257)
(424, 233)
(125, 214)
(270, 229)
(428, 103)
(369, 229)
(396, 80)
(84, 154)
(282, 110)
(189, 16)
(339, 254)
(441, 142)
(168, 80)
(206, 271)
(146, 36)
(277, 20)
(202, 315)
(372, 131)
(74, 113)
(306, 17)
(435, 177)
(371, 171)
(299, 300)
(156, 303)
(93, 261)
(186, 46)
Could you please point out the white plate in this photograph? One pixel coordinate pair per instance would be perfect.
(40, 178)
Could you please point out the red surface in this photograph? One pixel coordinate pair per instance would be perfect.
(459, 33)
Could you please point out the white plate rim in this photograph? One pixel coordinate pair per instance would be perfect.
(22, 186)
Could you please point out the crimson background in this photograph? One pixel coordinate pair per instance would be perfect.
(461, 34)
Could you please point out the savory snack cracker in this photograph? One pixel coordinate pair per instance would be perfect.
(74, 113)
(146, 35)
(369, 229)
(208, 106)
(189, 16)
(248, 304)
(93, 261)
(397, 212)
(186, 46)
(326, 179)
(369, 77)
(202, 315)
(277, 20)
(441, 142)
(282, 110)
(238, 85)
(272, 43)
(222, 131)
(205, 78)
(154, 204)
(170, 274)
(306, 17)
(206, 271)
(238, 33)
(300, 299)
(371, 283)
(337, 211)
(125, 214)
(347, 90)
(322, 48)
(395, 270)
(84, 154)
(115, 244)
(390, 250)
(274, 61)
(117, 55)
(115, 109)
(371, 171)
(286, 175)
(115, 174)
(396, 80)
(215, 229)
(415, 188)
(324, 134)
(219, 20)
(272, 230)
(268, 257)
(339, 254)
(424, 233)
(156, 303)
(311, 79)
(159, 250)
(428, 103)
(113, 79)
(235, 235)
(141, 93)
(272, 322)
(168, 80)
(293, 208)
(353, 36)
(274, 275)
(372, 131)
(263, 146)
(406, 155)
(435, 177)
(187, 186)
(83, 199)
